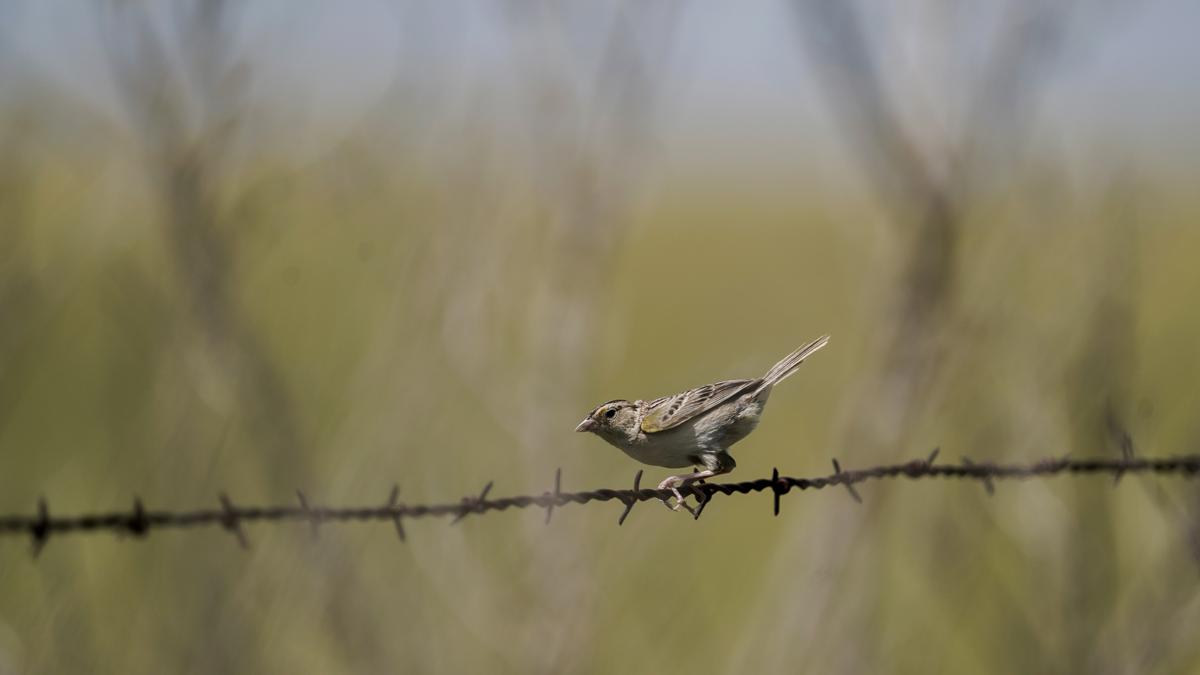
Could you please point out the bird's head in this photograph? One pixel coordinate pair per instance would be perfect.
(612, 421)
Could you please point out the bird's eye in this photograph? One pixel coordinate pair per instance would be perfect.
(612, 412)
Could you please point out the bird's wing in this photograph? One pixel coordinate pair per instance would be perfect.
(669, 412)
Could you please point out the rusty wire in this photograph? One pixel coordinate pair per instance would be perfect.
(139, 521)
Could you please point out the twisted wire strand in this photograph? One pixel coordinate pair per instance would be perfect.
(139, 521)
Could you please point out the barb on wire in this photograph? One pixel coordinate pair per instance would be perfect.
(778, 487)
(556, 496)
(138, 525)
(140, 522)
(231, 519)
(473, 504)
(703, 496)
(313, 517)
(840, 476)
(984, 478)
(397, 510)
(631, 499)
(39, 529)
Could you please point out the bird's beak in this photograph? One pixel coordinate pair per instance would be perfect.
(586, 424)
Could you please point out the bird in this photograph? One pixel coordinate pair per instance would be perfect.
(694, 428)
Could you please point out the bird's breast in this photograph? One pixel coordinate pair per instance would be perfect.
(673, 448)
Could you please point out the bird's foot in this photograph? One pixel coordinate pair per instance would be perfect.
(673, 483)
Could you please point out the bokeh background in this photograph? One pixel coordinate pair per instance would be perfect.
(254, 247)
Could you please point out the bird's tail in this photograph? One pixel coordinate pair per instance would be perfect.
(789, 364)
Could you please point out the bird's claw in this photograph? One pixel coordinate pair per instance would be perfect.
(673, 484)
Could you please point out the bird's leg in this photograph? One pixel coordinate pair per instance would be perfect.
(673, 483)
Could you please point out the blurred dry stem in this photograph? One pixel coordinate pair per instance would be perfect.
(585, 116)
(930, 175)
(188, 105)
(926, 183)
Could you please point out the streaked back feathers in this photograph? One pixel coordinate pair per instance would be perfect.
(669, 412)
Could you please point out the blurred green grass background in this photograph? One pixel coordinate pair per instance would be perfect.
(185, 314)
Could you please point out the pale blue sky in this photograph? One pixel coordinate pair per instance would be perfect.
(736, 72)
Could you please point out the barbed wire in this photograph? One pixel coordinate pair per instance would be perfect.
(139, 521)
